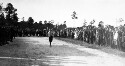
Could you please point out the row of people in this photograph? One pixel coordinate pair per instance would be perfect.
(31, 32)
(103, 36)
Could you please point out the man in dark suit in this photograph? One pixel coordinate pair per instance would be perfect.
(50, 34)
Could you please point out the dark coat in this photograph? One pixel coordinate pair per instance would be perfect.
(51, 38)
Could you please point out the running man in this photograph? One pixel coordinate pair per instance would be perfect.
(50, 34)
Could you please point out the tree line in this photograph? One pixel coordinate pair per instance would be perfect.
(9, 17)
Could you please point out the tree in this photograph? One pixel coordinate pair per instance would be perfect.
(92, 22)
(15, 19)
(64, 25)
(84, 24)
(9, 9)
(1, 8)
(11, 16)
(45, 22)
(30, 22)
(2, 19)
(35, 25)
(23, 19)
(121, 20)
(40, 22)
(101, 24)
(50, 24)
(52, 21)
(40, 26)
(74, 15)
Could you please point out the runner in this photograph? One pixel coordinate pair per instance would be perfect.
(50, 34)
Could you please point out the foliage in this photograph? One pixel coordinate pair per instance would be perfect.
(10, 18)
(74, 15)
(30, 22)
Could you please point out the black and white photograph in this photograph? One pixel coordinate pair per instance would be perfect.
(62, 32)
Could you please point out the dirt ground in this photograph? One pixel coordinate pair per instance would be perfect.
(106, 49)
(35, 51)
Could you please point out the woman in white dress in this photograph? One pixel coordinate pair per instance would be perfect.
(115, 38)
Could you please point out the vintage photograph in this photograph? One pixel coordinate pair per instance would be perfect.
(62, 32)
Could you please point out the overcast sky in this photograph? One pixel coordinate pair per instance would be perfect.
(108, 11)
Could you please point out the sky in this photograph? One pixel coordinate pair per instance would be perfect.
(108, 11)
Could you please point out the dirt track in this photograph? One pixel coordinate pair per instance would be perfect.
(35, 51)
